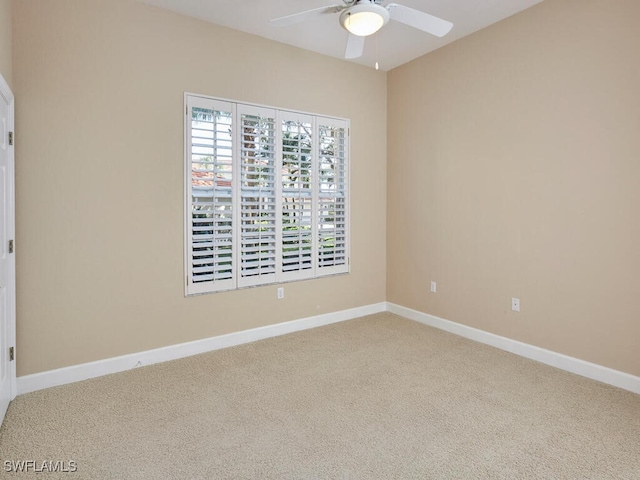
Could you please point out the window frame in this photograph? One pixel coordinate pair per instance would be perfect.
(237, 282)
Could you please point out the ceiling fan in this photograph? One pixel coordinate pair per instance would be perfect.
(362, 18)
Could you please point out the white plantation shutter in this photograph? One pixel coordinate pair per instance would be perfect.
(267, 195)
(210, 178)
(332, 197)
(258, 215)
(297, 178)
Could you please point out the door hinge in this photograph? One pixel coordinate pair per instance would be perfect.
(12, 355)
(10, 138)
(10, 246)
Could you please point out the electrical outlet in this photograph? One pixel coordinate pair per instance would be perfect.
(280, 293)
(433, 287)
(515, 304)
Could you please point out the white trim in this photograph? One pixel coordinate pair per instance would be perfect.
(261, 105)
(76, 373)
(564, 362)
(5, 90)
(187, 194)
(7, 95)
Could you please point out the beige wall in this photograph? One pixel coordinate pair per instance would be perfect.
(6, 67)
(513, 171)
(99, 88)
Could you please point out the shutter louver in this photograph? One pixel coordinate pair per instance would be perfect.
(332, 200)
(297, 199)
(211, 233)
(257, 196)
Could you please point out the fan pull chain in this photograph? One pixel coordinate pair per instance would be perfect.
(377, 66)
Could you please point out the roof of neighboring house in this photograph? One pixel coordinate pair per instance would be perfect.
(205, 179)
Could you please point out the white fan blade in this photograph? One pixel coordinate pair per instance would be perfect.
(355, 46)
(420, 20)
(301, 16)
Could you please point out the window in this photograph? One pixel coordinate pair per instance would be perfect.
(266, 195)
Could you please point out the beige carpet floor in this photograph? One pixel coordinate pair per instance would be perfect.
(379, 397)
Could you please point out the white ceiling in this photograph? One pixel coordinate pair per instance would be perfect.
(394, 45)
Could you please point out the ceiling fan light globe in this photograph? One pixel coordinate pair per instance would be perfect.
(364, 19)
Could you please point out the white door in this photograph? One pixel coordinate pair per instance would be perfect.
(7, 257)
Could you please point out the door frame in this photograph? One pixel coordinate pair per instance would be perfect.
(6, 95)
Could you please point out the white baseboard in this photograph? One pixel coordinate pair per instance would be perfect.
(76, 373)
(558, 360)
